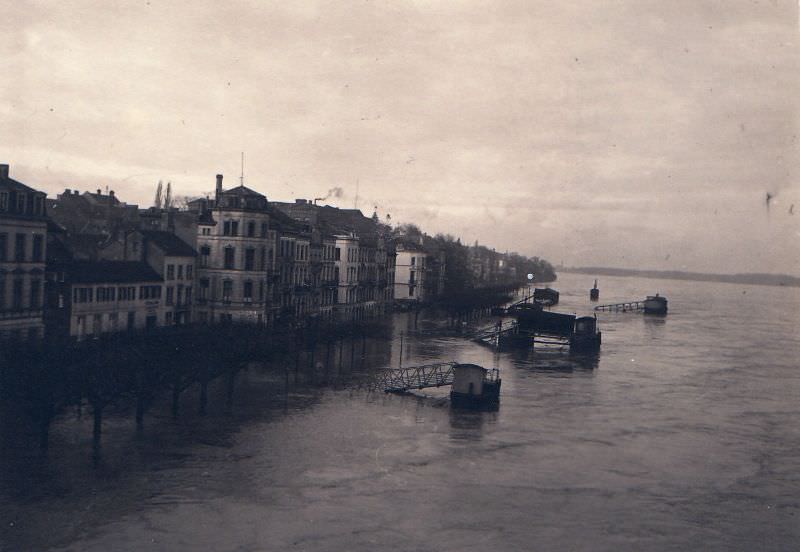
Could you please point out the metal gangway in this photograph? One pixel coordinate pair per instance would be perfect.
(628, 306)
(398, 380)
(492, 335)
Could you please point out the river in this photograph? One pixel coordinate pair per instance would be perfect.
(684, 434)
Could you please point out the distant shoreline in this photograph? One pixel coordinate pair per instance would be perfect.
(781, 280)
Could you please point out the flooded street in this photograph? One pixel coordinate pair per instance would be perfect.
(684, 434)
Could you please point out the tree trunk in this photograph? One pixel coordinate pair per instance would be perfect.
(139, 410)
(176, 396)
(203, 396)
(44, 433)
(97, 429)
(229, 391)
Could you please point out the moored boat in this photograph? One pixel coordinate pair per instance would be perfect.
(655, 304)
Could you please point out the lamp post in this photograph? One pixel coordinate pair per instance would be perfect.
(530, 281)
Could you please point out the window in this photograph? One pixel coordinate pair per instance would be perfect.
(38, 243)
(206, 231)
(3, 201)
(413, 261)
(188, 295)
(189, 271)
(262, 261)
(170, 295)
(180, 272)
(20, 203)
(36, 292)
(113, 321)
(251, 229)
(3, 247)
(230, 228)
(97, 324)
(249, 258)
(205, 252)
(337, 254)
(170, 272)
(230, 253)
(168, 319)
(263, 229)
(202, 292)
(227, 290)
(19, 248)
(247, 292)
(261, 290)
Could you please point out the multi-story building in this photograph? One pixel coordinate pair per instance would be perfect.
(23, 242)
(174, 261)
(103, 297)
(236, 247)
(410, 270)
(357, 260)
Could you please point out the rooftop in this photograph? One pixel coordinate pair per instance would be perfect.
(169, 243)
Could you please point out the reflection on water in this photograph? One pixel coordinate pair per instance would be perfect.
(681, 434)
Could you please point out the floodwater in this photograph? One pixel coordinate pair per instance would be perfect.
(684, 434)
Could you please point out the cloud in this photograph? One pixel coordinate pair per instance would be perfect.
(609, 122)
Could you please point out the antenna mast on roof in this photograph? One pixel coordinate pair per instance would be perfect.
(241, 178)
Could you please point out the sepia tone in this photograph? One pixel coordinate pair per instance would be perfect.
(413, 275)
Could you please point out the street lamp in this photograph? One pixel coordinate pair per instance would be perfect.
(530, 281)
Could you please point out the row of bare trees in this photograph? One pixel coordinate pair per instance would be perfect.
(43, 381)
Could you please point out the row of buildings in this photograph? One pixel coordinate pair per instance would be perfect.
(86, 264)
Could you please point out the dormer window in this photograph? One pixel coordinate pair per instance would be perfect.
(20, 203)
(3, 201)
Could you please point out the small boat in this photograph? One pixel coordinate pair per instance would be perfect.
(655, 304)
(594, 293)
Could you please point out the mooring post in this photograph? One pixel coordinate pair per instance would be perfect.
(400, 364)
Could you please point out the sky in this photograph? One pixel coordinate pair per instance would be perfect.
(623, 133)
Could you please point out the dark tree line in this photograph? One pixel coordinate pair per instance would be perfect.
(43, 381)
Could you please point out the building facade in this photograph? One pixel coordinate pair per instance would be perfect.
(410, 271)
(236, 256)
(23, 243)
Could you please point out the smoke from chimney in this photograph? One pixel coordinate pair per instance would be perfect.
(333, 192)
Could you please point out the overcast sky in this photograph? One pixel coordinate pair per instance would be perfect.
(626, 133)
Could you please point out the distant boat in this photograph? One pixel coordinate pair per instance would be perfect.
(655, 304)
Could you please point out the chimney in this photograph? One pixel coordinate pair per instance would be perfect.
(4, 171)
(301, 201)
(99, 191)
(76, 192)
(111, 193)
(219, 190)
(67, 191)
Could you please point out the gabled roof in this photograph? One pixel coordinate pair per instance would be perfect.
(110, 272)
(17, 186)
(169, 243)
(242, 190)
